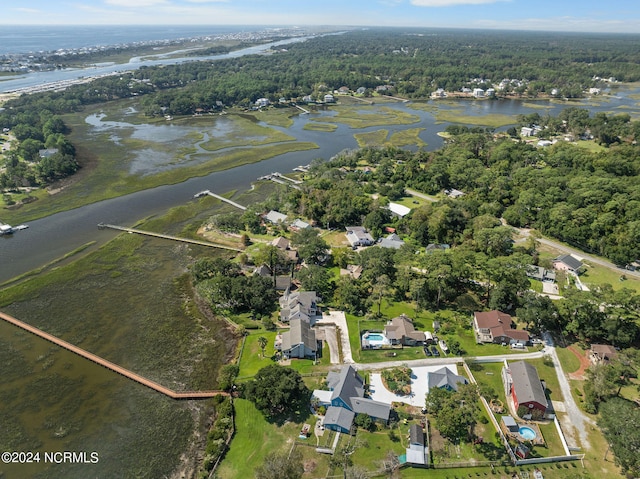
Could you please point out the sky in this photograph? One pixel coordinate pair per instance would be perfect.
(618, 16)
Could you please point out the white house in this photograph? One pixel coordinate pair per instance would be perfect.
(359, 236)
(398, 210)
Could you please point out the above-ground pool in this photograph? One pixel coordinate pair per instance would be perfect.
(527, 433)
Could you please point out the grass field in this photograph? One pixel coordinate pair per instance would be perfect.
(315, 126)
(256, 437)
(494, 120)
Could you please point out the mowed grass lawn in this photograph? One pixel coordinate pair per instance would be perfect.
(255, 438)
(252, 360)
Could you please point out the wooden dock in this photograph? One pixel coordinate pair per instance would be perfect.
(280, 178)
(109, 365)
(221, 198)
(169, 237)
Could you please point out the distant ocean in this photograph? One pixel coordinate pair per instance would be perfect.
(31, 38)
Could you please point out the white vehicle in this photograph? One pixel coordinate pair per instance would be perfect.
(443, 346)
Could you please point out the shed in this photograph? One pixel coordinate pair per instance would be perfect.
(510, 423)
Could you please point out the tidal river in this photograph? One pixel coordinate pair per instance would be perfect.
(52, 237)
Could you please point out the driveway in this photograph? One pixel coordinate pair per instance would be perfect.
(340, 320)
(331, 338)
(419, 387)
(575, 422)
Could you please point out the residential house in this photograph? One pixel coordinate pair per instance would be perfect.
(307, 99)
(431, 247)
(359, 236)
(46, 153)
(281, 243)
(343, 90)
(298, 225)
(497, 327)
(275, 217)
(392, 241)
(299, 305)
(262, 102)
(445, 378)
(398, 210)
(417, 453)
(602, 353)
(400, 330)
(491, 92)
(353, 270)
(541, 274)
(300, 341)
(453, 193)
(523, 384)
(345, 399)
(478, 92)
(567, 262)
(361, 90)
(328, 98)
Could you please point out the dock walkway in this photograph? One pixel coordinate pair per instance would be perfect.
(221, 198)
(169, 237)
(109, 365)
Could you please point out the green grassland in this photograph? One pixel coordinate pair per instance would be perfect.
(367, 116)
(493, 120)
(315, 126)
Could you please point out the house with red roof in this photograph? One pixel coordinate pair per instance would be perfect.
(497, 327)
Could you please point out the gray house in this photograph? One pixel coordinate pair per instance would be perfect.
(299, 305)
(444, 378)
(300, 341)
(358, 236)
(345, 399)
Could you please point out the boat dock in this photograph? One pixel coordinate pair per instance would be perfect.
(109, 365)
(300, 108)
(169, 237)
(280, 178)
(221, 198)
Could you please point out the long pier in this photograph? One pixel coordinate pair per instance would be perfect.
(109, 365)
(221, 198)
(169, 237)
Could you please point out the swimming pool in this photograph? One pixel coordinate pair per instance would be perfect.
(374, 340)
(527, 433)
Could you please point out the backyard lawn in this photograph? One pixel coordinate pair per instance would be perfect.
(256, 437)
(252, 360)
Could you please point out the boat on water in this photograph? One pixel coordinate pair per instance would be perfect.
(6, 229)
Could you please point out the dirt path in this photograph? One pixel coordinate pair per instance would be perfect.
(584, 364)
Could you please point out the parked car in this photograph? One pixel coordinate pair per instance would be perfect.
(435, 351)
(426, 351)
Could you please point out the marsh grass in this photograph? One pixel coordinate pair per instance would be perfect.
(367, 116)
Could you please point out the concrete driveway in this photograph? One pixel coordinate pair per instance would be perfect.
(340, 320)
(331, 338)
(419, 387)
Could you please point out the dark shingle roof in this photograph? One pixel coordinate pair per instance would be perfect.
(526, 383)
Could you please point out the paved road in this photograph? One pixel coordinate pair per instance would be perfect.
(421, 195)
(581, 254)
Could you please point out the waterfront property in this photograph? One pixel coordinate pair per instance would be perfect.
(299, 305)
(345, 398)
(300, 341)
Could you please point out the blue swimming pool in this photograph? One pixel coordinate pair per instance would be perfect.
(375, 340)
(527, 433)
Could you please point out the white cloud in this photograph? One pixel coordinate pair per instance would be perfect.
(450, 3)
